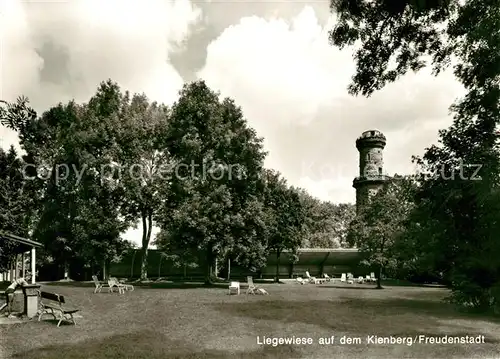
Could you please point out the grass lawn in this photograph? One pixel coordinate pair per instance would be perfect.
(197, 322)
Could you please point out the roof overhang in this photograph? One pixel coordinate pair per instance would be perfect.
(21, 244)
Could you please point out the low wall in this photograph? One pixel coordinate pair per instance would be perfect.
(317, 261)
(17, 305)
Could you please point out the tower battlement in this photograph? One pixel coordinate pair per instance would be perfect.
(372, 138)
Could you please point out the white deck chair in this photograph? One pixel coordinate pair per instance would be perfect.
(368, 278)
(361, 279)
(311, 279)
(125, 286)
(112, 282)
(251, 287)
(327, 277)
(346, 279)
(98, 284)
(234, 287)
(261, 291)
(350, 278)
(300, 280)
(372, 276)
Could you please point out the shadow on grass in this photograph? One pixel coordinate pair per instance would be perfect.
(70, 284)
(150, 345)
(391, 316)
(333, 286)
(145, 285)
(433, 308)
(180, 285)
(400, 283)
(405, 283)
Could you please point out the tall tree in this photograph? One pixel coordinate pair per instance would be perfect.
(380, 224)
(215, 187)
(138, 168)
(67, 146)
(285, 217)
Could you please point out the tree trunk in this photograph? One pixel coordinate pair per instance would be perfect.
(159, 266)
(278, 255)
(379, 278)
(147, 224)
(132, 266)
(104, 271)
(209, 267)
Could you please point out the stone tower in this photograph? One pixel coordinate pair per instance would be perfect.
(371, 163)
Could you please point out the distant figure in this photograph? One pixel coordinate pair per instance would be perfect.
(9, 292)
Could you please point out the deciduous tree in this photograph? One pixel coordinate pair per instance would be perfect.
(213, 202)
(285, 216)
(380, 224)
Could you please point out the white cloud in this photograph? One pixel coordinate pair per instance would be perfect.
(329, 190)
(135, 235)
(271, 65)
(291, 84)
(127, 41)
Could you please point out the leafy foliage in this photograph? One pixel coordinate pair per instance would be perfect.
(17, 200)
(212, 203)
(285, 216)
(16, 115)
(380, 225)
(136, 168)
(326, 223)
(78, 215)
(455, 218)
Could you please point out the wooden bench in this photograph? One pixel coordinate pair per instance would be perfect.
(55, 306)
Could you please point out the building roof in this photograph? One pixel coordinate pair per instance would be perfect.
(22, 244)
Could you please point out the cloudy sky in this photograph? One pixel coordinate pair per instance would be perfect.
(272, 57)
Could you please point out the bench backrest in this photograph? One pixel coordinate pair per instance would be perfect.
(53, 296)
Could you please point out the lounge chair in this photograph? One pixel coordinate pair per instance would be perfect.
(372, 277)
(251, 287)
(368, 278)
(112, 282)
(346, 278)
(234, 287)
(327, 277)
(98, 285)
(311, 279)
(301, 281)
(261, 291)
(361, 279)
(126, 286)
